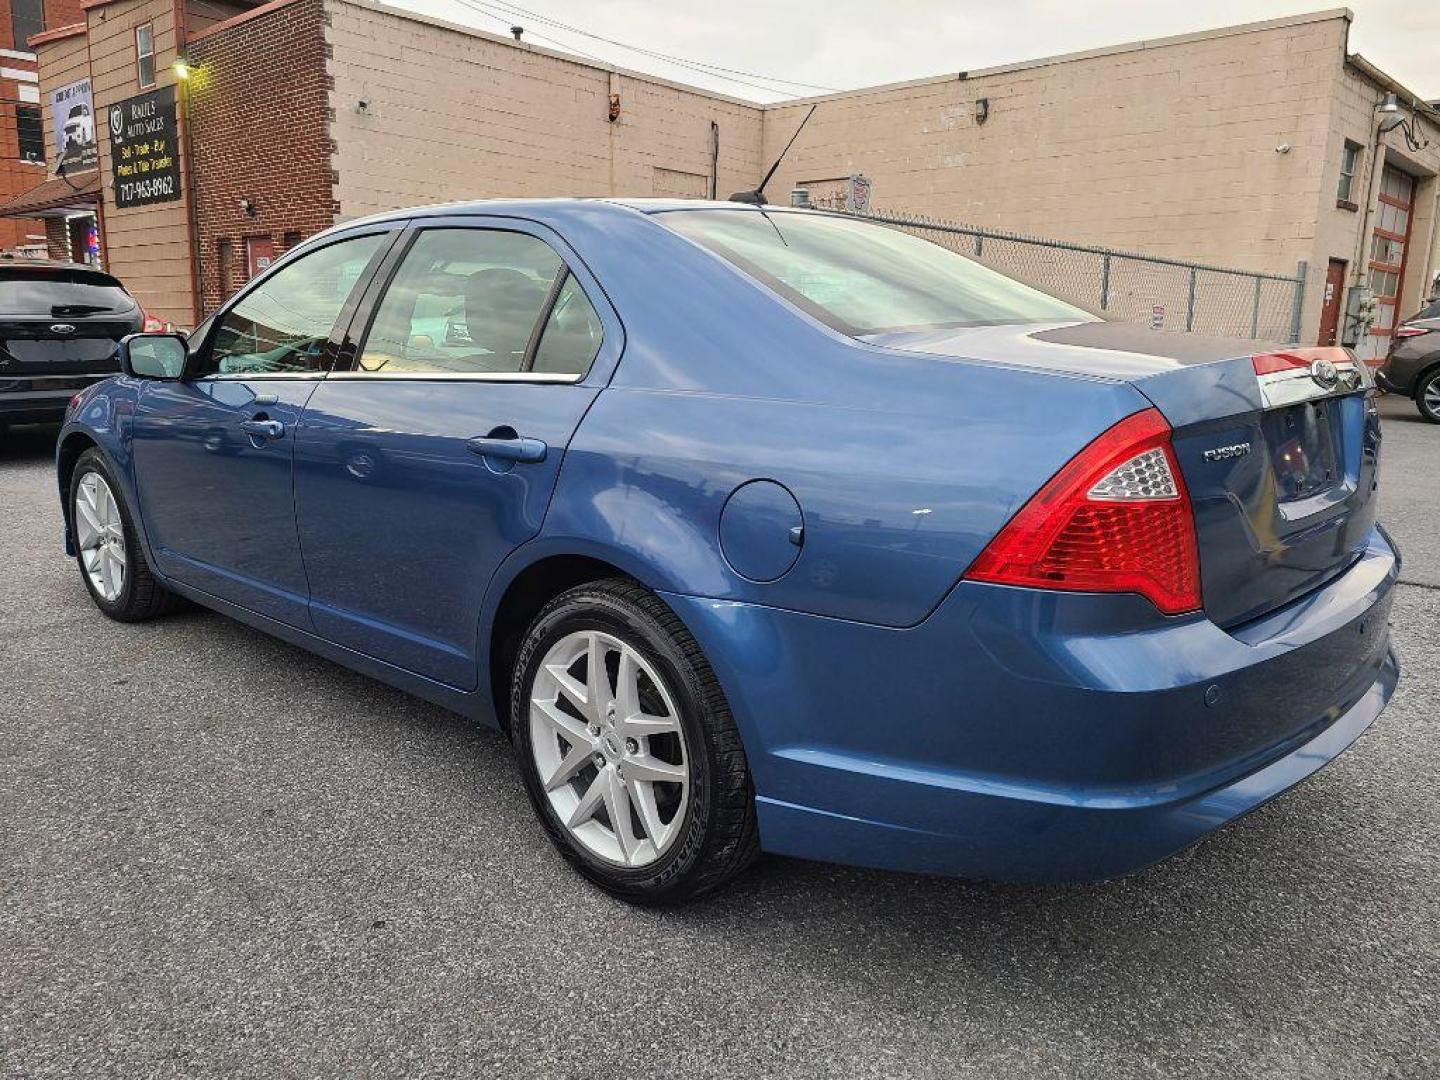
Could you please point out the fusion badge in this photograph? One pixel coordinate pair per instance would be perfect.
(1225, 453)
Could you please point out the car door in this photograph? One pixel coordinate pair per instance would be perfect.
(213, 451)
(420, 468)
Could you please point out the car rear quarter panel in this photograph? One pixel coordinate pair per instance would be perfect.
(903, 466)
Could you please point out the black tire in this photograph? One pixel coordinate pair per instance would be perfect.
(141, 596)
(1429, 385)
(719, 838)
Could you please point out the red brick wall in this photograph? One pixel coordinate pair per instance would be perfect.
(260, 125)
(60, 13)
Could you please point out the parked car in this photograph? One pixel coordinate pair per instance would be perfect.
(767, 529)
(60, 324)
(1412, 366)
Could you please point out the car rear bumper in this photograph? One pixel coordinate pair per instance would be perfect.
(1020, 735)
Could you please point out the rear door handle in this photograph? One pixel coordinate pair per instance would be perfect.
(263, 429)
(517, 448)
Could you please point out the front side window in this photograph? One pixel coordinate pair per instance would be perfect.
(145, 54)
(283, 324)
(1349, 163)
(861, 278)
(464, 301)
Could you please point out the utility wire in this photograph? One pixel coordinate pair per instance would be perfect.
(505, 4)
(508, 13)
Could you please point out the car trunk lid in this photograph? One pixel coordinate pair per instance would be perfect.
(1278, 447)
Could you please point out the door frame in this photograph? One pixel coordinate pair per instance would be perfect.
(1338, 280)
(612, 344)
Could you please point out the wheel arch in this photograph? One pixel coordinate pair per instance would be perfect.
(1423, 376)
(67, 455)
(527, 589)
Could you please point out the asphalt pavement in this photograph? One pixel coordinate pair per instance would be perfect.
(222, 856)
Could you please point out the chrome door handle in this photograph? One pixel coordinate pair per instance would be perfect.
(263, 429)
(518, 448)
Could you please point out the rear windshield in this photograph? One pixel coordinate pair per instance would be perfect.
(26, 290)
(862, 278)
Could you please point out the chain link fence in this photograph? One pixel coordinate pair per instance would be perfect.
(1167, 294)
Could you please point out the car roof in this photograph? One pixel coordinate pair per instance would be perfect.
(550, 208)
(49, 264)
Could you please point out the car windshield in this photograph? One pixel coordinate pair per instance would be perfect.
(861, 278)
(48, 291)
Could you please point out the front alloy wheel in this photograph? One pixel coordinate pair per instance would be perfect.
(107, 547)
(100, 535)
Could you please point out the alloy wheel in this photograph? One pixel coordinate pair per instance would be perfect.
(100, 532)
(609, 749)
(1431, 396)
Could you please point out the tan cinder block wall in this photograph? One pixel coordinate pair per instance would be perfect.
(492, 118)
(147, 247)
(1163, 147)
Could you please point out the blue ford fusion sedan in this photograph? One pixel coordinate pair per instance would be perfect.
(759, 529)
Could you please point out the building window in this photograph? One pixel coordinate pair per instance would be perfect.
(1349, 166)
(27, 18)
(145, 54)
(31, 134)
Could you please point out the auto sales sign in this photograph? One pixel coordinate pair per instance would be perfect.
(145, 149)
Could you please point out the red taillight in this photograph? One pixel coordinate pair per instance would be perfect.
(152, 324)
(1411, 331)
(1117, 518)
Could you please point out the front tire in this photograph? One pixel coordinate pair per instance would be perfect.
(108, 552)
(627, 746)
(1427, 397)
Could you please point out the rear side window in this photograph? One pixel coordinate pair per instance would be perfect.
(862, 278)
(572, 334)
(464, 302)
(66, 292)
(283, 324)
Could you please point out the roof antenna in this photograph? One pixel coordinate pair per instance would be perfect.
(757, 196)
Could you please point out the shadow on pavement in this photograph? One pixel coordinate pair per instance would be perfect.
(28, 443)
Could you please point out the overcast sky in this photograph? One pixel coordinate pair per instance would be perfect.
(850, 43)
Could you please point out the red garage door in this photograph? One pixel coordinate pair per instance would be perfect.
(1387, 255)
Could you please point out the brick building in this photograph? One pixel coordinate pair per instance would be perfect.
(22, 146)
(1258, 146)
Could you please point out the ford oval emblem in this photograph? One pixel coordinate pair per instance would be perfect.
(61, 328)
(1324, 374)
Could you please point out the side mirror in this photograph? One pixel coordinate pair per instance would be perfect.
(153, 356)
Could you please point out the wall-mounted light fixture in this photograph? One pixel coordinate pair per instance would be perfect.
(247, 207)
(1392, 118)
(182, 68)
(982, 110)
(614, 108)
